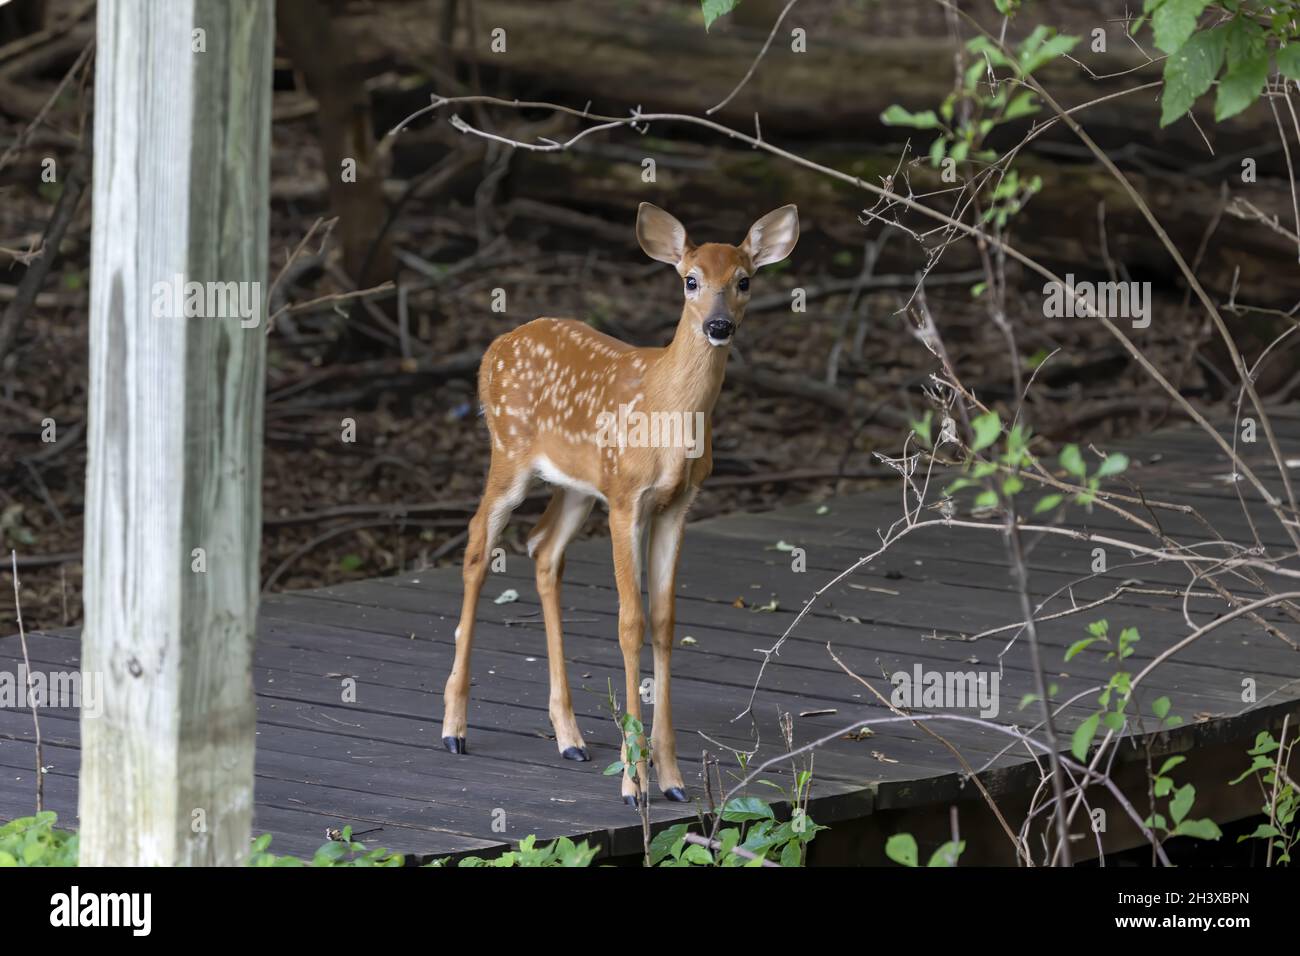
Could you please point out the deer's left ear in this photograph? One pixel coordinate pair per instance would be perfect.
(772, 238)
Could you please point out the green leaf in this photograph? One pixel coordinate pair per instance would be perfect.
(1113, 464)
(1189, 73)
(1083, 735)
(1241, 86)
(1198, 829)
(897, 116)
(1288, 60)
(742, 809)
(664, 843)
(1245, 41)
(1264, 831)
(1259, 763)
(1264, 744)
(922, 428)
(631, 725)
(1022, 104)
(1078, 646)
(615, 767)
(901, 848)
(987, 428)
(938, 149)
(986, 499)
(1160, 707)
(1047, 503)
(1031, 58)
(948, 854)
(1072, 461)
(698, 855)
(1128, 637)
(987, 48)
(1174, 22)
(1182, 802)
(716, 8)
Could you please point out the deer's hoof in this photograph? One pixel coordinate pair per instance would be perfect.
(676, 794)
(455, 745)
(576, 753)
(631, 800)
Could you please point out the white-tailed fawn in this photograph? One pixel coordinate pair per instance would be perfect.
(559, 398)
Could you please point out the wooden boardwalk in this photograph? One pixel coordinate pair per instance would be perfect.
(376, 762)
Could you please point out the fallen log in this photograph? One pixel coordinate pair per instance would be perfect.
(1060, 226)
(860, 59)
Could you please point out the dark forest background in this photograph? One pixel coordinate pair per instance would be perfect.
(446, 218)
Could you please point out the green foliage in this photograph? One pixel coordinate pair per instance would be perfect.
(922, 429)
(716, 8)
(341, 852)
(1267, 758)
(902, 849)
(1071, 460)
(562, 852)
(1115, 696)
(1237, 44)
(757, 832)
(633, 731)
(1179, 806)
(984, 102)
(1010, 196)
(33, 841)
(1112, 714)
(987, 428)
(1015, 458)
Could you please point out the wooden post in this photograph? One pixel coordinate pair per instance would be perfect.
(173, 485)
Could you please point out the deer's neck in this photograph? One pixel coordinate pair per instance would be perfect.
(689, 373)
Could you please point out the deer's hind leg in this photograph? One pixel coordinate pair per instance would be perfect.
(506, 484)
(664, 552)
(563, 518)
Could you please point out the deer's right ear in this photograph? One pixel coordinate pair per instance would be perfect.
(662, 237)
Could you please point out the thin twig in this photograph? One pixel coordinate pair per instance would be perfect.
(31, 696)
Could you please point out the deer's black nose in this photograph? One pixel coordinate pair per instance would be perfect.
(719, 330)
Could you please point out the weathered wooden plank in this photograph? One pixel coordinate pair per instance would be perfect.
(181, 180)
(373, 759)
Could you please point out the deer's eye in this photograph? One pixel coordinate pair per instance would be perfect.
(691, 284)
(744, 284)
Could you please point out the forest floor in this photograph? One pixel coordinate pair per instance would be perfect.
(399, 494)
(811, 398)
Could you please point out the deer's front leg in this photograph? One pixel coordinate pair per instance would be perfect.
(625, 527)
(665, 547)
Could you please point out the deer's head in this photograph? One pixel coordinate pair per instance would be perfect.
(715, 276)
